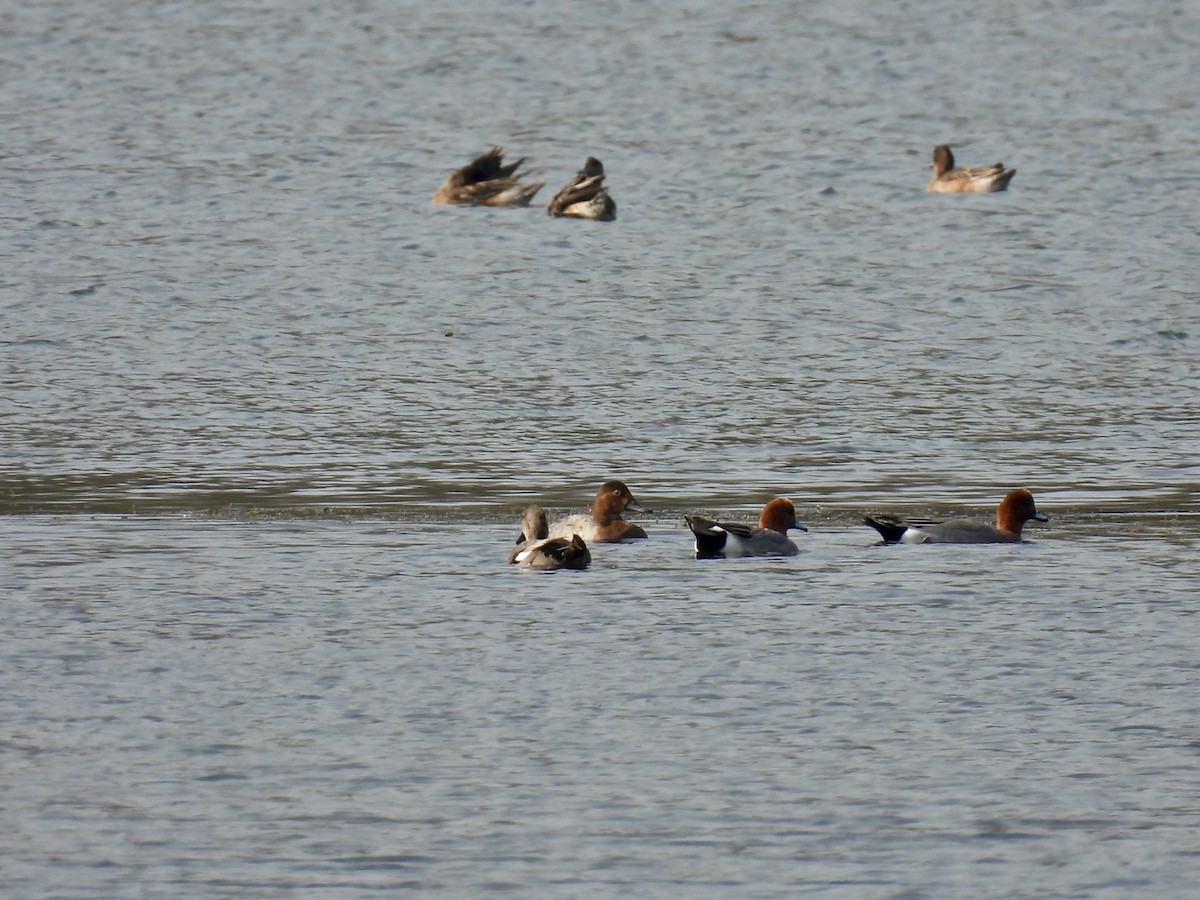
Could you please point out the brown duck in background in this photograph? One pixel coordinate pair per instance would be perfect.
(585, 196)
(970, 180)
(605, 524)
(486, 181)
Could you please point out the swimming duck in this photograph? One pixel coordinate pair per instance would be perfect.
(724, 540)
(486, 181)
(973, 180)
(604, 525)
(535, 550)
(1014, 511)
(584, 196)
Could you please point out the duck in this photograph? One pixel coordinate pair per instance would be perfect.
(725, 540)
(584, 196)
(971, 180)
(486, 181)
(604, 525)
(536, 550)
(1014, 511)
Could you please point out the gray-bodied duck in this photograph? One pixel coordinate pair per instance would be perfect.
(1014, 511)
(722, 540)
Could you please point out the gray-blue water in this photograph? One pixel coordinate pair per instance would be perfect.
(268, 419)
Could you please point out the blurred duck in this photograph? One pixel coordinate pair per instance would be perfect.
(486, 181)
(973, 180)
(535, 550)
(1014, 511)
(585, 197)
(604, 525)
(724, 540)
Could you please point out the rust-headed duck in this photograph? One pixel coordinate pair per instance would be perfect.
(717, 540)
(1014, 511)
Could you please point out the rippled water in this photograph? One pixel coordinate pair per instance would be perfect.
(295, 660)
(340, 708)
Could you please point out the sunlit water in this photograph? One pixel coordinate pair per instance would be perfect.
(268, 420)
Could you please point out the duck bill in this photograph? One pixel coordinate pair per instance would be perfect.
(1041, 517)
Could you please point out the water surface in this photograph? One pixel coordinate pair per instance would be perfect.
(268, 420)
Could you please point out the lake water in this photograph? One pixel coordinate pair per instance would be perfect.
(269, 418)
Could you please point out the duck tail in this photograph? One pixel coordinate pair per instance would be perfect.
(710, 538)
(890, 528)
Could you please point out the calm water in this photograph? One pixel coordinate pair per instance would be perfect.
(268, 419)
